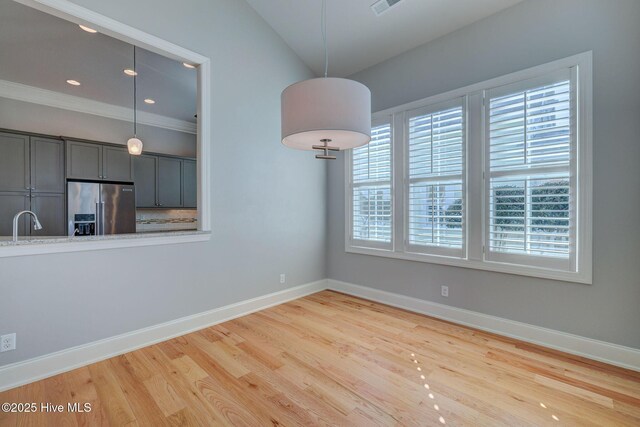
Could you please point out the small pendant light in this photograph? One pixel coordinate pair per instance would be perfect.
(327, 114)
(134, 144)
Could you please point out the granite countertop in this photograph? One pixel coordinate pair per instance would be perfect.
(7, 240)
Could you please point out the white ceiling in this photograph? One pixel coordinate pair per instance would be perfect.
(40, 50)
(357, 38)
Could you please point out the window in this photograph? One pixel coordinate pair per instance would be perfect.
(495, 176)
(530, 139)
(435, 203)
(371, 189)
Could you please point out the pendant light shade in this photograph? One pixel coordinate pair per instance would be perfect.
(326, 110)
(135, 146)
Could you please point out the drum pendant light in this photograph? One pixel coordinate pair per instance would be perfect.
(134, 145)
(327, 114)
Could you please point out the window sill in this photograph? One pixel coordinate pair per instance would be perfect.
(51, 245)
(499, 267)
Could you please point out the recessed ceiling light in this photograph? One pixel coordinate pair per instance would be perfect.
(130, 72)
(186, 64)
(149, 101)
(73, 82)
(88, 29)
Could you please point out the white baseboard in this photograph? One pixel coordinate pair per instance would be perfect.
(613, 354)
(20, 373)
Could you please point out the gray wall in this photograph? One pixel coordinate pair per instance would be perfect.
(528, 34)
(27, 117)
(268, 201)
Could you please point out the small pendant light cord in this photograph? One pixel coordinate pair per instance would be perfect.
(323, 24)
(135, 94)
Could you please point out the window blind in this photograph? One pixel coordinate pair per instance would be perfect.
(371, 188)
(436, 164)
(531, 196)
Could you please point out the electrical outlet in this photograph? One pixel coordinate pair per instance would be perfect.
(283, 278)
(7, 342)
(444, 290)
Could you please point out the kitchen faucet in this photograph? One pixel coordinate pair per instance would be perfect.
(36, 224)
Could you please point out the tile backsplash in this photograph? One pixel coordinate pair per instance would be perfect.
(166, 219)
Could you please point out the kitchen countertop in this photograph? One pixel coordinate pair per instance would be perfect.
(7, 240)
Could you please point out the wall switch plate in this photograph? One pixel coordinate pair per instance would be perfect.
(444, 290)
(283, 278)
(7, 342)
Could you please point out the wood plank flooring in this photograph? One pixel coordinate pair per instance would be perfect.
(332, 359)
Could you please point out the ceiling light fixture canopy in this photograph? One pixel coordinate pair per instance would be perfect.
(327, 113)
(134, 145)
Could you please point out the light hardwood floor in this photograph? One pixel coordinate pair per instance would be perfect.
(332, 359)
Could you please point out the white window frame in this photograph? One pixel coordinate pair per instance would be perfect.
(429, 109)
(476, 177)
(376, 121)
(72, 12)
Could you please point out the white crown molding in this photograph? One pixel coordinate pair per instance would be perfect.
(613, 354)
(36, 95)
(20, 373)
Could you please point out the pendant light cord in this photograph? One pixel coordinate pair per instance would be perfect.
(135, 94)
(323, 24)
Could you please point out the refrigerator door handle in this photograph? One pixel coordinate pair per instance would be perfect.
(102, 218)
(98, 225)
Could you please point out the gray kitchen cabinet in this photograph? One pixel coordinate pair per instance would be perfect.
(169, 182)
(84, 160)
(189, 184)
(117, 164)
(14, 162)
(145, 173)
(11, 204)
(50, 210)
(32, 178)
(47, 165)
(98, 162)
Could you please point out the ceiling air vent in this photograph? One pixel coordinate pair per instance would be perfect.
(382, 6)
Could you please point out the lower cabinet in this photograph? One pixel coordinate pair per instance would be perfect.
(49, 207)
(11, 204)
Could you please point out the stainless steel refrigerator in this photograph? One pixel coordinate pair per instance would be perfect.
(95, 208)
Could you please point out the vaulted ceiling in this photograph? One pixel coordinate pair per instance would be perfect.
(357, 38)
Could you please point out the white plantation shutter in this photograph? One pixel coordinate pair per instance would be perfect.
(494, 176)
(435, 202)
(531, 186)
(371, 189)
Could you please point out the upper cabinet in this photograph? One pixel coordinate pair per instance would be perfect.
(14, 162)
(98, 162)
(164, 182)
(84, 160)
(189, 184)
(31, 164)
(117, 164)
(145, 171)
(169, 182)
(47, 165)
